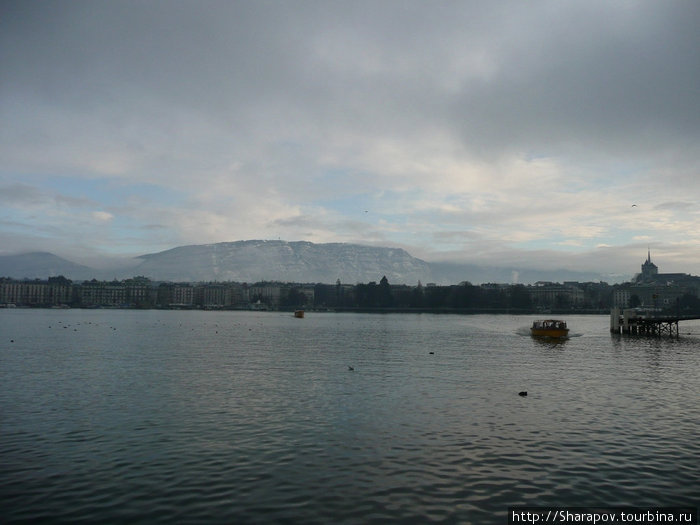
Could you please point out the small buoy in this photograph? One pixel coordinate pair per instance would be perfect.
(431, 353)
(523, 393)
(12, 340)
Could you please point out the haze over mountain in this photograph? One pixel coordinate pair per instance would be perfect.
(259, 260)
(41, 265)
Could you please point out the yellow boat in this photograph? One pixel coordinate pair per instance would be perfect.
(549, 328)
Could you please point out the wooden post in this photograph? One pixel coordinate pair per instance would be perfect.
(627, 315)
(615, 320)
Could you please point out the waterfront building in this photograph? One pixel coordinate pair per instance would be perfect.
(55, 291)
(102, 293)
(267, 293)
(182, 295)
(215, 296)
(651, 289)
(622, 297)
(555, 295)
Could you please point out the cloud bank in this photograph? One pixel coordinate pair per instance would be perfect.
(544, 134)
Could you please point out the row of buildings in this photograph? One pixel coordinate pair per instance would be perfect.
(140, 292)
(649, 289)
(653, 290)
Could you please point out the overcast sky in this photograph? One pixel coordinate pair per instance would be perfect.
(538, 134)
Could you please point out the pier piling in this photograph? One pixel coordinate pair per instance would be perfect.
(636, 322)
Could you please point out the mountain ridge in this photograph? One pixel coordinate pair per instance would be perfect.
(296, 261)
(39, 265)
(276, 260)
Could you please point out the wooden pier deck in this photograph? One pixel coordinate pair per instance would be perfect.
(631, 321)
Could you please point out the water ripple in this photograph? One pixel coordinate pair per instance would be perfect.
(259, 420)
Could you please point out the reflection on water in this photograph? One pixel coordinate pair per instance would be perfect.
(549, 342)
(255, 417)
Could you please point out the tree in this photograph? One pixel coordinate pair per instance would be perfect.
(520, 297)
(367, 295)
(60, 279)
(416, 300)
(384, 296)
(295, 298)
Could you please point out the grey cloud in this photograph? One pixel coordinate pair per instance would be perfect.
(20, 194)
(676, 205)
(25, 195)
(587, 73)
(456, 236)
(619, 83)
(152, 227)
(74, 202)
(299, 220)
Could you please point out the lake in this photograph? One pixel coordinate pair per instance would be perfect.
(256, 417)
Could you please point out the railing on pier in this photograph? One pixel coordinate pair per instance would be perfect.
(633, 321)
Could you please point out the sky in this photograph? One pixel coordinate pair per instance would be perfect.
(539, 134)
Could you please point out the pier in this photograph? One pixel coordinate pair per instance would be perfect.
(632, 321)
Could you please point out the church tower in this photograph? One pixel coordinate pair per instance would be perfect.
(649, 269)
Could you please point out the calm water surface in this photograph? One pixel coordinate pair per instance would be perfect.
(188, 417)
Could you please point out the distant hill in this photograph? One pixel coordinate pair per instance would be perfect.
(251, 261)
(41, 265)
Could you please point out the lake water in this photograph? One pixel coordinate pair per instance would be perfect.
(255, 417)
